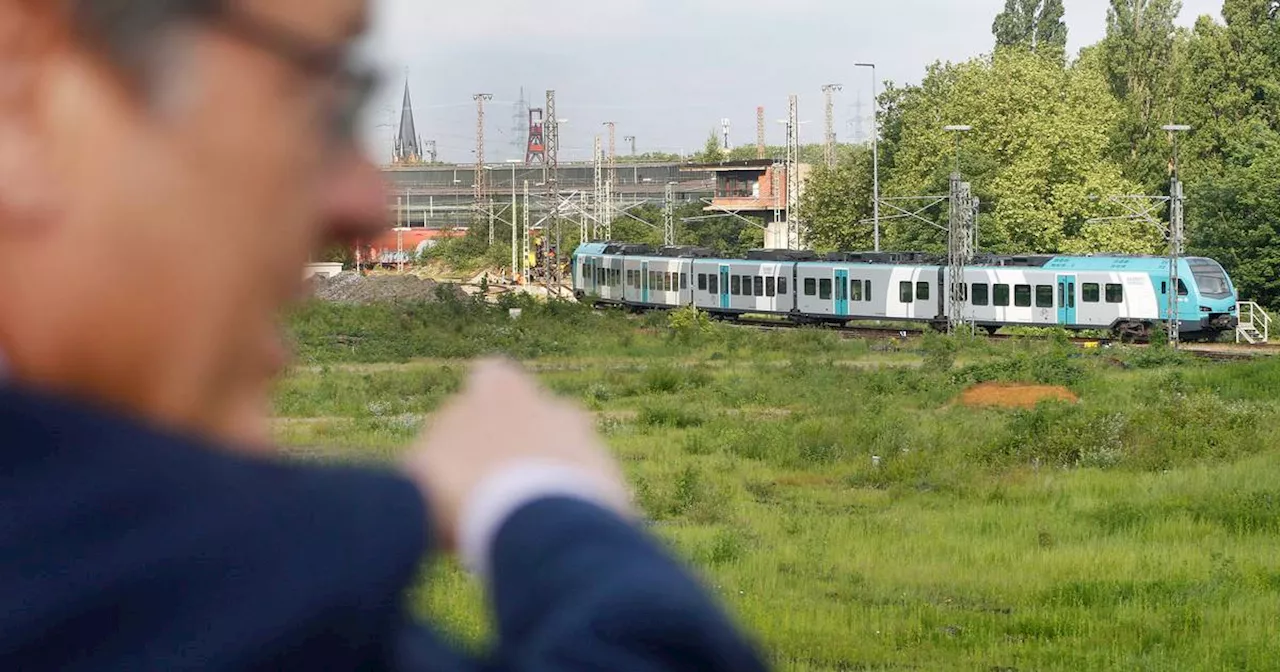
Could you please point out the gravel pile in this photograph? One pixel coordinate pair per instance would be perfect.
(350, 287)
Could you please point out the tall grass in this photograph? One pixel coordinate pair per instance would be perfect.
(850, 511)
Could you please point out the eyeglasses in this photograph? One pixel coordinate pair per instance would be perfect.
(350, 85)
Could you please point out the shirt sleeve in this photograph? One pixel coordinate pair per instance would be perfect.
(507, 491)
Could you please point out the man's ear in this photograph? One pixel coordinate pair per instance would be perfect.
(28, 188)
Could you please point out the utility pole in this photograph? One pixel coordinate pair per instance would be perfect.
(855, 124)
(875, 150)
(775, 188)
(793, 173)
(760, 132)
(597, 199)
(669, 215)
(631, 139)
(524, 237)
(551, 176)
(517, 123)
(481, 185)
(611, 180)
(829, 144)
(1176, 237)
(959, 238)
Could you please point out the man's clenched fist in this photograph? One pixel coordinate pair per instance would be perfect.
(504, 425)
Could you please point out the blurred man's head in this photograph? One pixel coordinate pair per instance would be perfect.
(166, 168)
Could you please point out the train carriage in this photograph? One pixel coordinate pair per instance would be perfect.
(738, 286)
(1126, 294)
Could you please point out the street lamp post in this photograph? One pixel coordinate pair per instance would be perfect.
(875, 149)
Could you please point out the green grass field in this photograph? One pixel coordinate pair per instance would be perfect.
(1136, 530)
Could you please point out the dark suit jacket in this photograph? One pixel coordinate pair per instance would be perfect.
(125, 548)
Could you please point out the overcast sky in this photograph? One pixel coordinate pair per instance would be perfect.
(667, 71)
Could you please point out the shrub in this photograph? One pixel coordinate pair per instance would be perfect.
(689, 325)
(939, 352)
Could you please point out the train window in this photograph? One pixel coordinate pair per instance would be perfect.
(855, 290)
(904, 292)
(922, 291)
(867, 289)
(1044, 296)
(702, 282)
(964, 292)
(635, 279)
(1000, 295)
(713, 284)
(842, 292)
(981, 294)
(782, 286)
(1022, 296)
(1092, 292)
(746, 285)
(1115, 293)
(673, 282)
(824, 289)
(810, 287)
(759, 287)
(770, 286)
(735, 285)
(684, 281)
(1182, 288)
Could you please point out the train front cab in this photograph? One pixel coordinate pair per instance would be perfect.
(1210, 307)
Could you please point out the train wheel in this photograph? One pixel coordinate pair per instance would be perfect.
(1132, 332)
(992, 330)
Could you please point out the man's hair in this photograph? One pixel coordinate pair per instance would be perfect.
(128, 32)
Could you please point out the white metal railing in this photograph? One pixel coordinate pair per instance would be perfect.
(1255, 324)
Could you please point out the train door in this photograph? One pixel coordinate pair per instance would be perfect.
(644, 282)
(724, 286)
(1066, 300)
(842, 292)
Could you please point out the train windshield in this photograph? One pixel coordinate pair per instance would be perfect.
(1210, 278)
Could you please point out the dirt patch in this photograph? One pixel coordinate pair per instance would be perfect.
(351, 287)
(1015, 395)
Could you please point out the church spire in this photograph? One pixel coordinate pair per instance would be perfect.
(408, 148)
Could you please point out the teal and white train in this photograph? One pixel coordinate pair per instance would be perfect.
(1128, 295)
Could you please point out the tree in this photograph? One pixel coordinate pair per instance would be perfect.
(1236, 212)
(837, 201)
(711, 150)
(1138, 58)
(1232, 156)
(1036, 25)
(1038, 156)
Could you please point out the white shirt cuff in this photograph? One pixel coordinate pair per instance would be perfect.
(504, 493)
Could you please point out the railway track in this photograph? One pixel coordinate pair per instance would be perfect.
(1210, 351)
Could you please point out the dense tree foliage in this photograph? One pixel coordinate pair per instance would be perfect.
(1034, 25)
(1055, 141)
